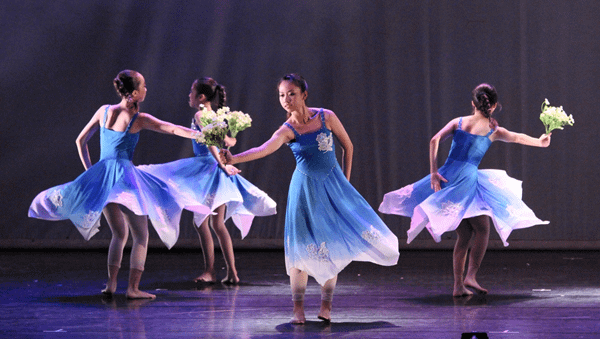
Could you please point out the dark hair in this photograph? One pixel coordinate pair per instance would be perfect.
(125, 83)
(484, 96)
(211, 89)
(295, 79)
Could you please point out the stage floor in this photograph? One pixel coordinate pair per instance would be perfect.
(533, 294)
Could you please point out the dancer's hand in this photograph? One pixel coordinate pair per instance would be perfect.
(229, 141)
(231, 170)
(436, 180)
(226, 156)
(545, 140)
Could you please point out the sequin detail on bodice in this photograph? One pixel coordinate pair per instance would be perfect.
(314, 151)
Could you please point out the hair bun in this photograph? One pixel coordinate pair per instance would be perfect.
(118, 84)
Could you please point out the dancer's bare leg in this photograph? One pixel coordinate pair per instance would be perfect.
(459, 257)
(298, 282)
(481, 229)
(133, 288)
(111, 283)
(218, 225)
(138, 226)
(120, 232)
(208, 252)
(327, 299)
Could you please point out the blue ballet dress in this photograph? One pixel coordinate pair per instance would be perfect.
(328, 223)
(469, 192)
(113, 179)
(200, 179)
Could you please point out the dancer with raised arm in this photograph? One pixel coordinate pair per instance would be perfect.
(207, 179)
(328, 223)
(460, 197)
(126, 195)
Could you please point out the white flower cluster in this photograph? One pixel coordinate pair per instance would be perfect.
(238, 121)
(214, 126)
(213, 134)
(554, 117)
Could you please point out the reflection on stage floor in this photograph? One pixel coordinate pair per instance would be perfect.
(533, 294)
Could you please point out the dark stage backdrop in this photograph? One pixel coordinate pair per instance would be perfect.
(394, 71)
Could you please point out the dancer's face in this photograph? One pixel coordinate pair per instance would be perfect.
(291, 97)
(194, 101)
(140, 93)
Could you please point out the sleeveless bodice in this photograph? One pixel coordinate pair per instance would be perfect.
(200, 179)
(200, 149)
(468, 192)
(117, 145)
(328, 223)
(115, 180)
(467, 147)
(314, 151)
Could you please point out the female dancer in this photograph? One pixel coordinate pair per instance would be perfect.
(460, 197)
(205, 178)
(126, 195)
(328, 223)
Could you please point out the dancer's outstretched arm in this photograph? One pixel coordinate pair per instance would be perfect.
(502, 134)
(280, 137)
(149, 122)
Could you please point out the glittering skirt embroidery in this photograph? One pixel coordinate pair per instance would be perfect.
(329, 225)
(474, 193)
(200, 180)
(320, 253)
(112, 181)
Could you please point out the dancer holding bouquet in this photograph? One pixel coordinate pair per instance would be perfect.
(460, 197)
(328, 223)
(206, 178)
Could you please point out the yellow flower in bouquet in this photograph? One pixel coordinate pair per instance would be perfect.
(554, 117)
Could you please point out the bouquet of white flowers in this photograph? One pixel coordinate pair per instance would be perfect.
(207, 116)
(237, 122)
(213, 134)
(214, 126)
(554, 117)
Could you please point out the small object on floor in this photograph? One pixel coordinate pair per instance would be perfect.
(326, 320)
(474, 335)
